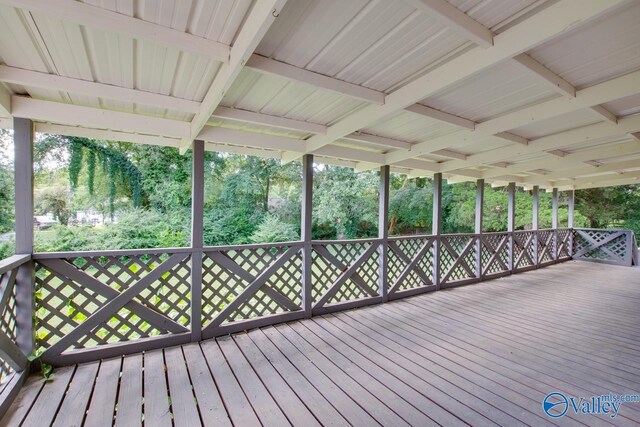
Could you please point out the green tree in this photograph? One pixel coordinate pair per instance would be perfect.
(54, 200)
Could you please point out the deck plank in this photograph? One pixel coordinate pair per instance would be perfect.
(212, 409)
(295, 410)
(240, 410)
(25, 399)
(183, 403)
(76, 400)
(46, 405)
(129, 413)
(156, 395)
(103, 401)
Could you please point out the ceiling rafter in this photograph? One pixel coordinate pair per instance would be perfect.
(103, 19)
(255, 26)
(543, 26)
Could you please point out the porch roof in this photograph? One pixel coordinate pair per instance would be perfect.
(534, 92)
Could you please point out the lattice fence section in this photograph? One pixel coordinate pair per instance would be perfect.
(564, 242)
(8, 316)
(344, 271)
(524, 249)
(495, 253)
(70, 290)
(545, 246)
(227, 274)
(409, 262)
(457, 257)
(602, 245)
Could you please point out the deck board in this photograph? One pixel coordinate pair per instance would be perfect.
(484, 354)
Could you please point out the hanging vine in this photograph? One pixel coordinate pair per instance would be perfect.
(119, 168)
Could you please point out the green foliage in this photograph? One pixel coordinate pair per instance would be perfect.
(7, 249)
(54, 199)
(411, 208)
(274, 230)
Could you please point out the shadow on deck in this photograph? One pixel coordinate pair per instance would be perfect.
(483, 354)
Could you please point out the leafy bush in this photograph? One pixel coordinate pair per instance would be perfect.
(274, 230)
(7, 249)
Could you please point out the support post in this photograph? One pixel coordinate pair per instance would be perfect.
(305, 232)
(554, 222)
(478, 227)
(535, 221)
(511, 222)
(197, 240)
(383, 231)
(25, 303)
(570, 221)
(436, 226)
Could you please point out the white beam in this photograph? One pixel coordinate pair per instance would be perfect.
(626, 180)
(455, 19)
(378, 140)
(95, 17)
(65, 84)
(603, 130)
(98, 118)
(587, 170)
(250, 139)
(606, 114)
(106, 135)
(553, 21)
(608, 91)
(423, 110)
(571, 163)
(513, 138)
(255, 26)
(635, 135)
(247, 151)
(602, 180)
(447, 153)
(281, 69)
(246, 116)
(556, 82)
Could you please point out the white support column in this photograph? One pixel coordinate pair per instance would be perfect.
(197, 240)
(535, 220)
(554, 222)
(570, 221)
(511, 221)
(383, 231)
(478, 227)
(436, 226)
(23, 133)
(305, 232)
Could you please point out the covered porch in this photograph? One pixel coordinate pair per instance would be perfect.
(537, 95)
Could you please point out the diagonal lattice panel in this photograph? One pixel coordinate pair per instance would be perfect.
(600, 245)
(63, 303)
(226, 275)
(564, 236)
(524, 249)
(448, 257)
(422, 272)
(8, 321)
(495, 244)
(545, 245)
(331, 260)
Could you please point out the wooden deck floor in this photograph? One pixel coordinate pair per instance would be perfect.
(484, 354)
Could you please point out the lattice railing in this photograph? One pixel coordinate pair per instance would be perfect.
(610, 246)
(564, 239)
(85, 300)
(494, 253)
(546, 246)
(245, 282)
(457, 257)
(409, 263)
(344, 271)
(12, 359)
(524, 250)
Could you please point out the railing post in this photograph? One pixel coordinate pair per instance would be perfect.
(511, 222)
(535, 221)
(383, 231)
(478, 227)
(554, 223)
(570, 221)
(197, 239)
(305, 232)
(23, 167)
(436, 226)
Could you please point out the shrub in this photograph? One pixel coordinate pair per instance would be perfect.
(274, 230)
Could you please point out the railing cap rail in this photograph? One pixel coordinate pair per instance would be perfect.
(252, 246)
(116, 252)
(13, 262)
